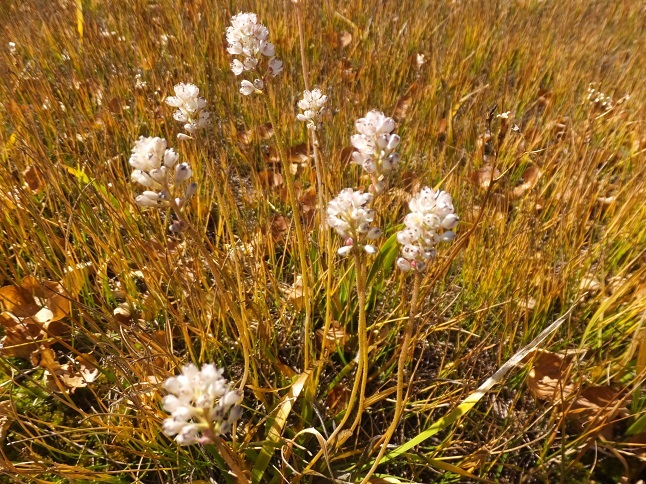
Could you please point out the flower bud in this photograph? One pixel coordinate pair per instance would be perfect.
(345, 250)
(403, 264)
(447, 236)
(450, 221)
(182, 172)
(190, 191)
(370, 249)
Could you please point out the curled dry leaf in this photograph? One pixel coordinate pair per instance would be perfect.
(294, 293)
(262, 132)
(33, 312)
(338, 40)
(484, 176)
(297, 154)
(279, 227)
(404, 103)
(345, 155)
(335, 337)
(594, 408)
(529, 179)
(66, 378)
(270, 178)
(32, 178)
(308, 201)
(590, 284)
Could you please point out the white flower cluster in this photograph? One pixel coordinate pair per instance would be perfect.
(312, 106)
(430, 221)
(190, 107)
(599, 99)
(349, 215)
(375, 145)
(201, 403)
(156, 168)
(249, 39)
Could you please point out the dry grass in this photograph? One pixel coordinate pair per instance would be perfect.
(575, 235)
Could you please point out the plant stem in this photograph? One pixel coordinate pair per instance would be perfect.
(401, 368)
(300, 237)
(231, 459)
(362, 331)
(223, 294)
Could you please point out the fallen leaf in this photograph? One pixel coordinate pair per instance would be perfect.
(594, 408)
(484, 176)
(32, 178)
(270, 178)
(294, 293)
(66, 378)
(279, 227)
(404, 103)
(335, 335)
(529, 179)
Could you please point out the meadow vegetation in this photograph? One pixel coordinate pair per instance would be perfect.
(517, 355)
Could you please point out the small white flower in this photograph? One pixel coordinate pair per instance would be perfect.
(157, 169)
(275, 66)
(249, 39)
(247, 88)
(312, 105)
(201, 403)
(237, 67)
(429, 222)
(190, 107)
(350, 216)
(375, 144)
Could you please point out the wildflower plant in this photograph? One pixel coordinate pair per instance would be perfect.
(249, 40)
(375, 146)
(190, 107)
(312, 106)
(157, 169)
(429, 222)
(350, 216)
(201, 404)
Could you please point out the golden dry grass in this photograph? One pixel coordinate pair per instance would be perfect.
(574, 235)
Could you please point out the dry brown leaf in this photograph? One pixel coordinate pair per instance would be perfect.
(262, 132)
(270, 178)
(335, 335)
(547, 379)
(345, 155)
(308, 201)
(594, 408)
(32, 178)
(20, 336)
(338, 40)
(294, 293)
(30, 297)
(279, 227)
(441, 129)
(66, 378)
(590, 284)
(530, 177)
(404, 103)
(484, 176)
(33, 313)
